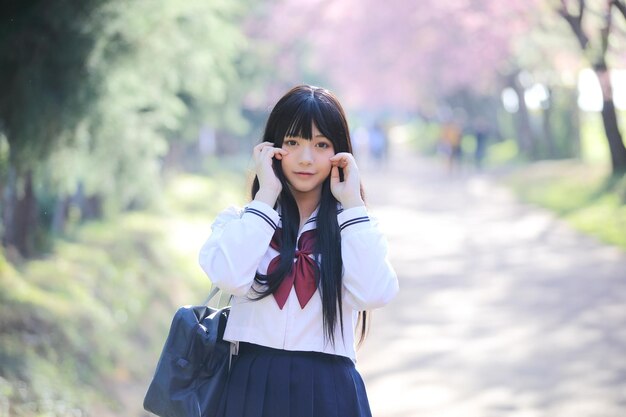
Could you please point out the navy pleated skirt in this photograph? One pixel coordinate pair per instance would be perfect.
(266, 382)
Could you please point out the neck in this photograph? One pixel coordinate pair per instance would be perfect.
(307, 203)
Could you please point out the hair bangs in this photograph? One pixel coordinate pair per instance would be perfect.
(302, 121)
(324, 116)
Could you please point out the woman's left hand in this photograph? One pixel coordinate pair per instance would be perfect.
(348, 191)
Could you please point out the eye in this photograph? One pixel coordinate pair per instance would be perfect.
(323, 145)
(290, 142)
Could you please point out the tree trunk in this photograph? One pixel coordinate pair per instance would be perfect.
(546, 122)
(20, 214)
(59, 218)
(611, 126)
(613, 135)
(522, 122)
(27, 221)
(92, 208)
(9, 201)
(572, 122)
(609, 117)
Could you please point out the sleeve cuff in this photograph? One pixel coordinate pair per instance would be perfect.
(263, 212)
(352, 219)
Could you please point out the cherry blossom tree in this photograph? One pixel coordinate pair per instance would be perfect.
(396, 54)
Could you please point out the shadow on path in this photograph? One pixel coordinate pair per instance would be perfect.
(503, 309)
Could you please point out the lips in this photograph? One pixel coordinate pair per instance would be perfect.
(304, 174)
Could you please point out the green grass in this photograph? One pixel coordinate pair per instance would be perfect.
(582, 194)
(593, 143)
(502, 153)
(82, 328)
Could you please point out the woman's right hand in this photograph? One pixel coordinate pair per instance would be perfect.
(269, 185)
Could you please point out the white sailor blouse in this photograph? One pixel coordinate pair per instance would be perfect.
(239, 246)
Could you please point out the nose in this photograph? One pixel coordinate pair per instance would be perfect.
(306, 155)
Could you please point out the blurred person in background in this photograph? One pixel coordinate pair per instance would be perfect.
(481, 134)
(451, 136)
(378, 144)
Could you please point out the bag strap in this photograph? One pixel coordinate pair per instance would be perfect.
(212, 294)
(234, 346)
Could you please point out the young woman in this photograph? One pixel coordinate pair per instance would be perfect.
(302, 259)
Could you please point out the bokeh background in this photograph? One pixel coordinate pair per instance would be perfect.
(488, 135)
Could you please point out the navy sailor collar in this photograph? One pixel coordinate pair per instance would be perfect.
(311, 222)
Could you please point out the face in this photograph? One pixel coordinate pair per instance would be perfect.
(308, 163)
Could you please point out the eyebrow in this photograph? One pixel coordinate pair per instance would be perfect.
(319, 136)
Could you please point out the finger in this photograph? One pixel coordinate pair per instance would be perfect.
(279, 153)
(341, 155)
(264, 155)
(258, 150)
(342, 162)
(350, 162)
(269, 150)
(263, 145)
(334, 175)
(337, 161)
(342, 159)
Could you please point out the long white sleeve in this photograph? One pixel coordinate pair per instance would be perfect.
(369, 279)
(239, 239)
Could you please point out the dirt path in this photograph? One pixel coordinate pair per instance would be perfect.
(503, 310)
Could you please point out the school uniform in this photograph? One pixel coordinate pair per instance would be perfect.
(285, 366)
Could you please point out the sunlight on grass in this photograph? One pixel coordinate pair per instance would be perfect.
(501, 153)
(82, 321)
(577, 192)
(593, 143)
(605, 219)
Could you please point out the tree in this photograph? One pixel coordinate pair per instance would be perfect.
(95, 92)
(546, 59)
(397, 54)
(595, 47)
(45, 91)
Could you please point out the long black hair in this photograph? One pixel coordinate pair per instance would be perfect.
(294, 115)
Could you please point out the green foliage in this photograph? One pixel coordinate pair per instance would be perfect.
(96, 92)
(44, 79)
(181, 62)
(82, 328)
(165, 70)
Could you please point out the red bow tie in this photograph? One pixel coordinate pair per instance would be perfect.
(302, 273)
